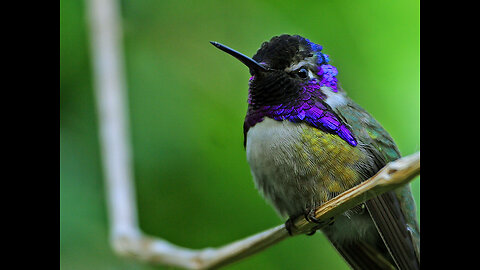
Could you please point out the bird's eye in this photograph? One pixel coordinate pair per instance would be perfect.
(302, 73)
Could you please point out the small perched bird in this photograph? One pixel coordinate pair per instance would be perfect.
(307, 142)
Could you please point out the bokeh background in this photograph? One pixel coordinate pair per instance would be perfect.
(187, 102)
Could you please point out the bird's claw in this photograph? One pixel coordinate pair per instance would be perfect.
(310, 217)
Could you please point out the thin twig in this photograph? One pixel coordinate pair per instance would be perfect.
(126, 237)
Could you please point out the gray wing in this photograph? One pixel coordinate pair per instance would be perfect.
(392, 226)
(361, 255)
(393, 212)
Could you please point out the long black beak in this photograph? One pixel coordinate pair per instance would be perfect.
(253, 65)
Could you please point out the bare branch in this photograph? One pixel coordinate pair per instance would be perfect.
(126, 237)
(110, 89)
(159, 251)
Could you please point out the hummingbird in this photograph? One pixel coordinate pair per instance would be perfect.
(306, 142)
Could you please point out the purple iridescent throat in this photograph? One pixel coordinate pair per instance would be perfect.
(309, 108)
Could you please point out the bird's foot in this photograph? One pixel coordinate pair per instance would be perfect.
(310, 217)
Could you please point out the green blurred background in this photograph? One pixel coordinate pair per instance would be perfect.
(187, 102)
